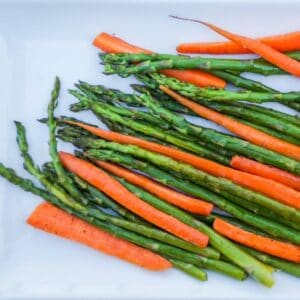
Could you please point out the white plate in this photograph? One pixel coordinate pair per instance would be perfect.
(41, 40)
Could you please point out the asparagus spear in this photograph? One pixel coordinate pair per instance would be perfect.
(274, 228)
(135, 114)
(118, 64)
(258, 118)
(242, 82)
(228, 142)
(295, 120)
(153, 80)
(63, 177)
(189, 269)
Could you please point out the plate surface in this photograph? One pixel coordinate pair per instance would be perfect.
(39, 40)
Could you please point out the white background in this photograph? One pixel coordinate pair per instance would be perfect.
(41, 39)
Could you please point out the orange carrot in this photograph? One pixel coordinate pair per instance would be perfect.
(110, 186)
(282, 42)
(271, 55)
(245, 131)
(265, 186)
(259, 169)
(56, 221)
(190, 204)
(112, 44)
(273, 247)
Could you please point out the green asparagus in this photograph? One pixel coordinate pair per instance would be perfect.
(228, 142)
(154, 80)
(118, 64)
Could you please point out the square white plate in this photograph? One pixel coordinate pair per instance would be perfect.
(41, 39)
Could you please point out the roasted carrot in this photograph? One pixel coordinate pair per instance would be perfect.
(190, 204)
(245, 131)
(282, 42)
(260, 169)
(54, 220)
(280, 249)
(110, 186)
(265, 186)
(112, 44)
(271, 55)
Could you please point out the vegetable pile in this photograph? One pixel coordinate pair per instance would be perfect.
(158, 191)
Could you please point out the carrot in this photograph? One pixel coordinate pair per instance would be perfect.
(273, 56)
(265, 186)
(282, 42)
(112, 44)
(259, 169)
(245, 131)
(110, 186)
(273, 247)
(190, 204)
(56, 221)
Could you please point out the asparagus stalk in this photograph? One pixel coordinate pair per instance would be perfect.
(153, 80)
(228, 142)
(295, 120)
(118, 64)
(197, 176)
(164, 99)
(274, 228)
(242, 82)
(135, 114)
(63, 177)
(258, 118)
(189, 269)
